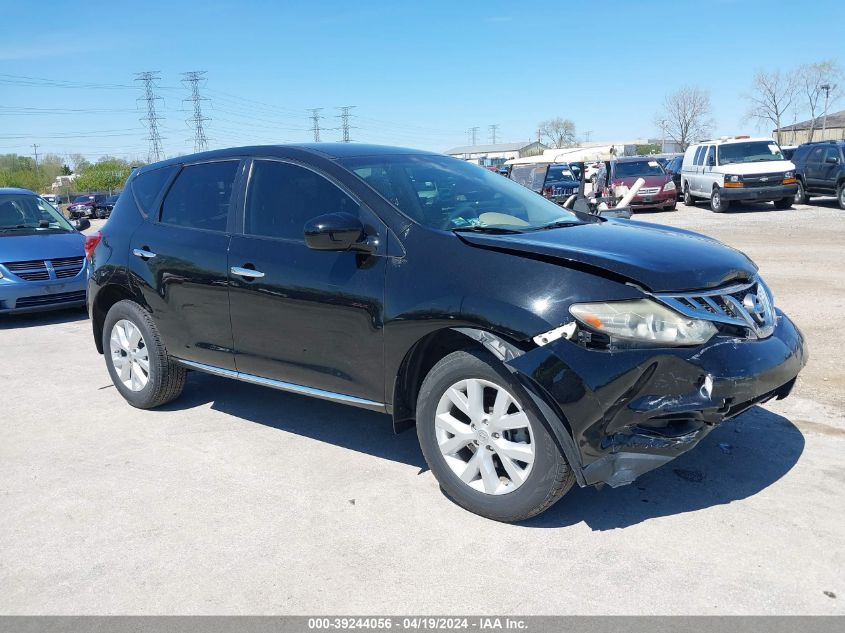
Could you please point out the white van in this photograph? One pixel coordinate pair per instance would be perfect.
(738, 168)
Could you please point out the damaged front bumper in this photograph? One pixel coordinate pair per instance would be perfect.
(621, 413)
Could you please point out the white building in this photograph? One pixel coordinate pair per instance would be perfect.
(495, 154)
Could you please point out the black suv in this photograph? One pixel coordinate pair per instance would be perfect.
(533, 346)
(820, 170)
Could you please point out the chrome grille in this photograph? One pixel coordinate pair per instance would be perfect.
(648, 191)
(41, 270)
(763, 180)
(748, 305)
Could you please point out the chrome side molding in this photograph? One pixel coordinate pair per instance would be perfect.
(285, 386)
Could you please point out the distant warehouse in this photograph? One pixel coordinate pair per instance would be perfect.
(834, 129)
(497, 154)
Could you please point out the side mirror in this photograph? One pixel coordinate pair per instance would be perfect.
(81, 224)
(833, 160)
(337, 232)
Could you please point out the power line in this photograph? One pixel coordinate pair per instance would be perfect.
(493, 129)
(149, 78)
(344, 122)
(192, 79)
(315, 123)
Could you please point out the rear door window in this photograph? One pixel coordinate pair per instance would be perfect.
(816, 155)
(201, 196)
(282, 197)
(148, 185)
(699, 155)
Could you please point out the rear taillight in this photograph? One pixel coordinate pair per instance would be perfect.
(91, 242)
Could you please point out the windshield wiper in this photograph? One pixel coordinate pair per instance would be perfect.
(495, 230)
(557, 225)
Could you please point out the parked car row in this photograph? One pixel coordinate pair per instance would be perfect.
(820, 171)
(97, 205)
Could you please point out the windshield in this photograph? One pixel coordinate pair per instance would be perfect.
(112, 198)
(447, 193)
(559, 173)
(751, 152)
(83, 198)
(638, 168)
(28, 212)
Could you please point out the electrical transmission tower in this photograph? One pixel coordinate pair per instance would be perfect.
(192, 80)
(148, 80)
(315, 123)
(493, 130)
(473, 133)
(344, 122)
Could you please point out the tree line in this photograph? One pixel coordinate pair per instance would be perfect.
(105, 175)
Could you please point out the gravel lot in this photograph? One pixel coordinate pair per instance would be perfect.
(237, 499)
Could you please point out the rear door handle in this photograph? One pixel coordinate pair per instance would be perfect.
(249, 273)
(143, 253)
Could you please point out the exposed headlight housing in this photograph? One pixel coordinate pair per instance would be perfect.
(789, 174)
(669, 186)
(643, 321)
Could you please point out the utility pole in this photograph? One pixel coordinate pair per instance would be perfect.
(587, 135)
(827, 88)
(344, 122)
(493, 129)
(473, 131)
(315, 123)
(148, 80)
(192, 80)
(663, 138)
(35, 151)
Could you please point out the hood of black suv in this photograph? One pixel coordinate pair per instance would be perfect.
(658, 258)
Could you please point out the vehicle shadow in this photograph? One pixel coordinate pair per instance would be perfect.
(341, 425)
(736, 461)
(36, 319)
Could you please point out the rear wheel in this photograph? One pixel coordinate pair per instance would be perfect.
(488, 450)
(717, 203)
(801, 196)
(784, 203)
(136, 358)
(688, 199)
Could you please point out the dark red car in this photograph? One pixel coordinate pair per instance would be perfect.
(658, 192)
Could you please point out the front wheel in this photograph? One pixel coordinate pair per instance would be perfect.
(840, 195)
(484, 444)
(136, 358)
(783, 203)
(801, 196)
(717, 203)
(688, 199)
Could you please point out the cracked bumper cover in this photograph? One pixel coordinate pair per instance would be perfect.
(622, 413)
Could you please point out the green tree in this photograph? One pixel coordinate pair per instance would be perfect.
(107, 175)
(647, 150)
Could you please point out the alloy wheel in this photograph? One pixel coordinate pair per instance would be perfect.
(485, 437)
(129, 355)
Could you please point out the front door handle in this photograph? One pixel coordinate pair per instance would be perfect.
(249, 273)
(143, 253)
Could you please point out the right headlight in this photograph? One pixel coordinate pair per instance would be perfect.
(644, 321)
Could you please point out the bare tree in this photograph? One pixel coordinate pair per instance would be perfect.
(771, 97)
(811, 78)
(558, 132)
(685, 116)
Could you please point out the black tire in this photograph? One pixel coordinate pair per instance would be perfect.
(688, 199)
(166, 379)
(840, 195)
(672, 208)
(801, 196)
(784, 203)
(550, 477)
(717, 203)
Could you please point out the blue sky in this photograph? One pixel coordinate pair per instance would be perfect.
(420, 73)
